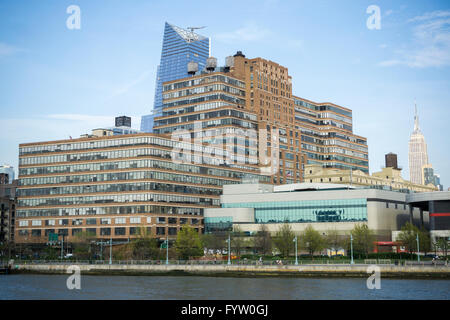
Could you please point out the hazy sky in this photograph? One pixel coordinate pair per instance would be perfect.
(56, 82)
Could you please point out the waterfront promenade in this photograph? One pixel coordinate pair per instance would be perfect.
(239, 270)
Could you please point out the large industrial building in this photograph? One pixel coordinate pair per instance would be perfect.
(112, 185)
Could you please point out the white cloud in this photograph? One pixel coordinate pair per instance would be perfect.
(7, 49)
(430, 45)
(389, 63)
(80, 117)
(431, 15)
(126, 87)
(249, 32)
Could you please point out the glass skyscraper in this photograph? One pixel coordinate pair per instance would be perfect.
(180, 46)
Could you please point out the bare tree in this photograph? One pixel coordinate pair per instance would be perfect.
(263, 240)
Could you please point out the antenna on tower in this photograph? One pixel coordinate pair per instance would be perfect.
(194, 28)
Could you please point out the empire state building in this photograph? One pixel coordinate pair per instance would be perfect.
(418, 156)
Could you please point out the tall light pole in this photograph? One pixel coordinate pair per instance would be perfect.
(110, 250)
(229, 252)
(418, 257)
(351, 248)
(296, 256)
(167, 249)
(62, 247)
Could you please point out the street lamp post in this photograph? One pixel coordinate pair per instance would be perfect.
(296, 255)
(110, 250)
(229, 252)
(167, 249)
(351, 247)
(418, 257)
(62, 247)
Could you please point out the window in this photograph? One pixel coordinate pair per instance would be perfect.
(120, 220)
(172, 231)
(119, 231)
(105, 221)
(91, 221)
(49, 222)
(36, 232)
(63, 232)
(161, 220)
(77, 222)
(135, 220)
(105, 231)
(160, 230)
(23, 223)
(63, 222)
(172, 220)
(133, 231)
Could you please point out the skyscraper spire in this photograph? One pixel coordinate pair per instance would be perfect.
(416, 118)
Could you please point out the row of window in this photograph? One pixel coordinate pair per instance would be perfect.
(104, 221)
(206, 115)
(199, 90)
(204, 80)
(207, 124)
(195, 108)
(97, 144)
(322, 108)
(132, 164)
(143, 197)
(204, 98)
(138, 175)
(118, 187)
(345, 210)
(110, 210)
(118, 231)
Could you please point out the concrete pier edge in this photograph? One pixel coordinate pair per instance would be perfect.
(387, 271)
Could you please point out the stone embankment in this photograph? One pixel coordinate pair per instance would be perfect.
(360, 270)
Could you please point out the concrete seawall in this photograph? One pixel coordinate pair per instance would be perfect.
(388, 271)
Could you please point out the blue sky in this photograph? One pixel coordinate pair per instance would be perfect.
(56, 82)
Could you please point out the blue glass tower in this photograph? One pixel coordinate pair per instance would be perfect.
(179, 47)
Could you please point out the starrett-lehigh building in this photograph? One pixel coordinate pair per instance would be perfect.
(110, 185)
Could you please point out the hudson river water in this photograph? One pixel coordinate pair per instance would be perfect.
(26, 286)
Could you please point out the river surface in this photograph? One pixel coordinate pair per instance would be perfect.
(27, 286)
